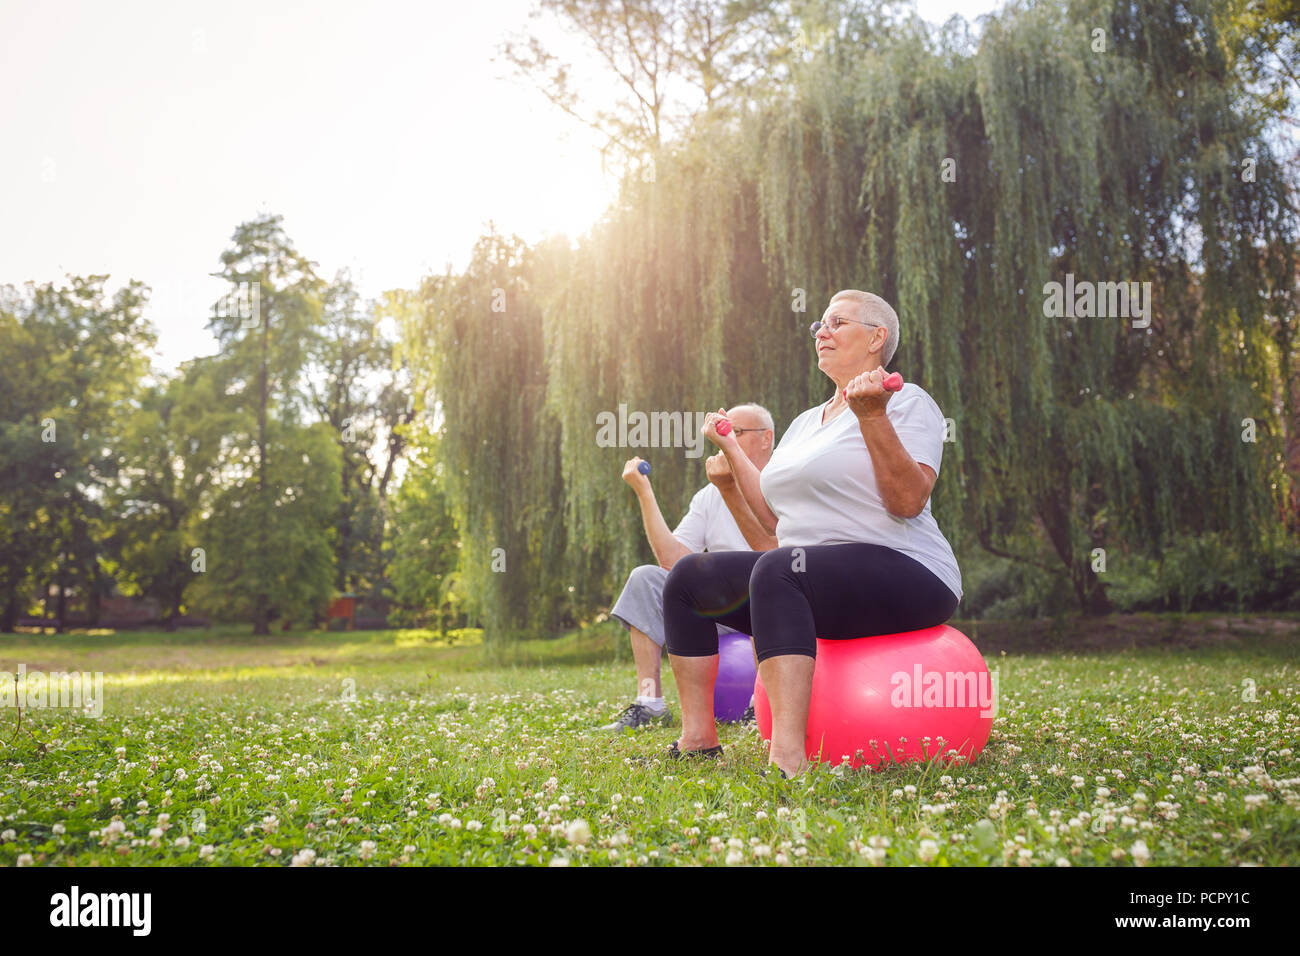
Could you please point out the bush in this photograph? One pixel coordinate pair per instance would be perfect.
(1197, 573)
(1209, 573)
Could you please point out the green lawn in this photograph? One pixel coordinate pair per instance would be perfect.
(387, 747)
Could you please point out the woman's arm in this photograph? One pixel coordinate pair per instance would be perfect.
(744, 470)
(904, 484)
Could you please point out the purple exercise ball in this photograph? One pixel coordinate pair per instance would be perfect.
(736, 675)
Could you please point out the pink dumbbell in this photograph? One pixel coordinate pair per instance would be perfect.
(724, 427)
(892, 383)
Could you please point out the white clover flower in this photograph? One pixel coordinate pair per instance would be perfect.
(24, 859)
(734, 857)
(1140, 853)
(927, 850)
(367, 849)
(578, 832)
(303, 857)
(473, 825)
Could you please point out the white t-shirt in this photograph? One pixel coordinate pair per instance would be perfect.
(708, 524)
(821, 486)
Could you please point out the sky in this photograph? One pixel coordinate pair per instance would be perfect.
(140, 133)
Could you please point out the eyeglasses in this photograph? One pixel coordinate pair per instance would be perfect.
(741, 431)
(835, 321)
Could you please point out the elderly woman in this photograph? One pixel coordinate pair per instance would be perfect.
(847, 494)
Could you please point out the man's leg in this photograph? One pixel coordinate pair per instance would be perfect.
(640, 609)
(646, 653)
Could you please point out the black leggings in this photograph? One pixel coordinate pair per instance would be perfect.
(789, 597)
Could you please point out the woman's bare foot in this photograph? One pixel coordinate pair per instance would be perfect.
(791, 764)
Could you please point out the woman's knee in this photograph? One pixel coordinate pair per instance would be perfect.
(686, 569)
(777, 569)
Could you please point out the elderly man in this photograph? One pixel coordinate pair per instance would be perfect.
(709, 525)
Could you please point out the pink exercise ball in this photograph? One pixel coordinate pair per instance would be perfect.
(874, 699)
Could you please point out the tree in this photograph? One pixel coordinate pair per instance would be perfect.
(672, 61)
(264, 327)
(170, 458)
(73, 361)
(424, 542)
(353, 385)
(476, 343)
(958, 174)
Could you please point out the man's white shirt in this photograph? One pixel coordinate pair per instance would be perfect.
(708, 524)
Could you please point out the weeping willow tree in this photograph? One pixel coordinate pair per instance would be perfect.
(959, 176)
(478, 338)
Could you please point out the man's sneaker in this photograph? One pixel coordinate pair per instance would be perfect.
(638, 715)
(749, 717)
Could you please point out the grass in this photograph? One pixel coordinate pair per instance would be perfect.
(391, 747)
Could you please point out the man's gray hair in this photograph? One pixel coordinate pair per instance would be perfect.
(876, 309)
(763, 414)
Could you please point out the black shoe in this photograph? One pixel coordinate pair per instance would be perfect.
(748, 717)
(638, 715)
(784, 776)
(712, 752)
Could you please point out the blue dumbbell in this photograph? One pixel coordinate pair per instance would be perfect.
(644, 467)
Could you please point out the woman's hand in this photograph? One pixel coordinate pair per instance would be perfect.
(710, 430)
(867, 395)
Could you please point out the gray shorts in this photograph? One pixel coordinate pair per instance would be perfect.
(641, 605)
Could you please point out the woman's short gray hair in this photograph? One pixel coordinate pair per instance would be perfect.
(875, 309)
